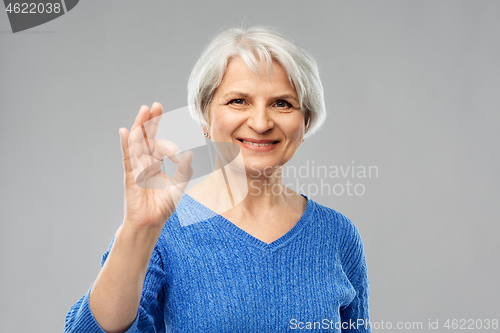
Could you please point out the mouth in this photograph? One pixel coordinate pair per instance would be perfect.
(262, 145)
(258, 143)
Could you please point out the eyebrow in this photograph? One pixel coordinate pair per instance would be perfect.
(242, 94)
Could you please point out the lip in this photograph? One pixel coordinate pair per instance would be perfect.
(258, 141)
(249, 146)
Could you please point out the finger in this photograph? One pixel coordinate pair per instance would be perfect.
(124, 134)
(162, 148)
(153, 124)
(151, 127)
(151, 177)
(139, 164)
(184, 170)
(156, 110)
(136, 136)
(137, 142)
(142, 117)
(138, 151)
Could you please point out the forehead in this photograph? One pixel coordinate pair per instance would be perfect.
(239, 75)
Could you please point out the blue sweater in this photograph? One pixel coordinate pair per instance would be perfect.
(212, 276)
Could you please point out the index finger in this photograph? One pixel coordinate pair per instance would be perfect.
(151, 126)
(142, 117)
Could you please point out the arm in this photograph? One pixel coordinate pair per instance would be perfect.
(148, 315)
(116, 293)
(357, 311)
(119, 289)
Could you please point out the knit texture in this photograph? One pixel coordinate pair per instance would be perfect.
(212, 276)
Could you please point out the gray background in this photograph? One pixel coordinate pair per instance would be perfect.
(411, 87)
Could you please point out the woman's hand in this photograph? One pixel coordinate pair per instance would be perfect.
(150, 196)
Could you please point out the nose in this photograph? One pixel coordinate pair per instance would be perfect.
(260, 120)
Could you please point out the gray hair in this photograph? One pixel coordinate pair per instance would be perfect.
(267, 44)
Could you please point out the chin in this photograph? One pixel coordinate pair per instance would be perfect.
(260, 167)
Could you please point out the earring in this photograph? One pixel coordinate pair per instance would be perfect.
(206, 135)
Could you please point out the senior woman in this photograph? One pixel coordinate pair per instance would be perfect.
(253, 259)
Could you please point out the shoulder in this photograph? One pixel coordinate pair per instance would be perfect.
(333, 219)
(188, 213)
(190, 222)
(340, 228)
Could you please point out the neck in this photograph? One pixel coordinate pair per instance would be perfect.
(231, 187)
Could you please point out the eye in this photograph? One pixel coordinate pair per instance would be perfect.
(237, 101)
(283, 104)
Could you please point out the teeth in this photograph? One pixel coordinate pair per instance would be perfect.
(256, 144)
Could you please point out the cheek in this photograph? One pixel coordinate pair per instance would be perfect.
(220, 122)
(295, 129)
(224, 123)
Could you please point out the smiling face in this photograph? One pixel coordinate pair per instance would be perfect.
(261, 115)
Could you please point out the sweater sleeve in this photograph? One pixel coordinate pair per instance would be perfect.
(150, 316)
(355, 315)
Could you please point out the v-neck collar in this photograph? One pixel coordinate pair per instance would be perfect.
(232, 229)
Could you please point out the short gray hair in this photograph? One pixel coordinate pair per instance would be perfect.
(264, 43)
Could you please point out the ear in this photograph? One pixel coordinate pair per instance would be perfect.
(307, 119)
(206, 132)
(206, 117)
